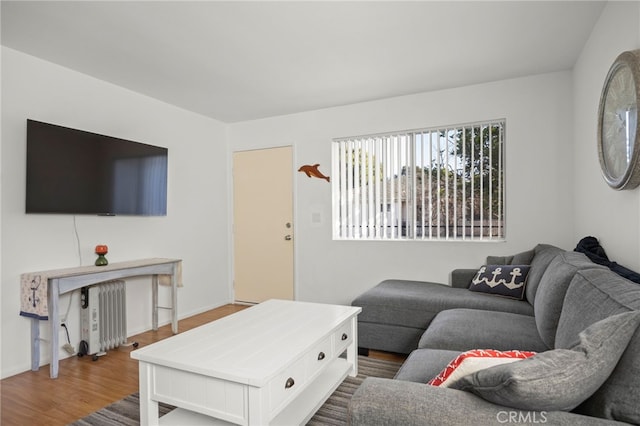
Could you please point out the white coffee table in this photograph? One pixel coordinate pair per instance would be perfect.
(274, 363)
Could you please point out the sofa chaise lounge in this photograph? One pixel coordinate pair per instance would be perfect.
(579, 318)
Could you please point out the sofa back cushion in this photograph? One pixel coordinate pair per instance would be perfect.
(523, 258)
(595, 294)
(551, 291)
(543, 255)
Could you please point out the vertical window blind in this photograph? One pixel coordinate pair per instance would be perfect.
(444, 183)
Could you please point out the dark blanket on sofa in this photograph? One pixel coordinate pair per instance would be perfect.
(595, 252)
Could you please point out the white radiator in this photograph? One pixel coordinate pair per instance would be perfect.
(103, 316)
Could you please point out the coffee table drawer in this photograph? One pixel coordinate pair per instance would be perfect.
(286, 385)
(343, 337)
(319, 357)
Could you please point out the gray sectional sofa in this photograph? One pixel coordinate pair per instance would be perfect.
(580, 318)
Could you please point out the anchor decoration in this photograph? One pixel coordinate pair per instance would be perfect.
(512, 284)
(501, 280)
(34, 299)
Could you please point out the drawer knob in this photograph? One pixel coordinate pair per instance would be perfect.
(321, 356)
(344, 336)
(290, 382)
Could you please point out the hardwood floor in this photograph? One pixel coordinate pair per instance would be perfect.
(84, 386)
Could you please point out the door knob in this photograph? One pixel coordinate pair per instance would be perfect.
(287, 237)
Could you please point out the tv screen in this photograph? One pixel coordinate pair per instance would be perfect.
(76, 172)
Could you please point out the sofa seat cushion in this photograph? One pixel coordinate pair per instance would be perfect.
(415, 303)
(423, 365)
(466, 329)
(384, 402)
(593, 295)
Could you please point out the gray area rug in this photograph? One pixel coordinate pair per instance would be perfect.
(333, 411)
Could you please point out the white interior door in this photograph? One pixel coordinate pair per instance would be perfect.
(263, 224)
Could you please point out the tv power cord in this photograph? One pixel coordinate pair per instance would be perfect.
(68, 347)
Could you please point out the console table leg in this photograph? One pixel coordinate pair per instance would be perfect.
(174, 302)
(54, 322)
(154, 302)
(35, 344)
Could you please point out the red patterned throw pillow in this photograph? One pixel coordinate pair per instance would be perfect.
(474, 360)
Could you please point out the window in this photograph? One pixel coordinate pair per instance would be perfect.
(443, 183)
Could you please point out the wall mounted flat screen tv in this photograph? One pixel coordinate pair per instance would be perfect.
(71, 171)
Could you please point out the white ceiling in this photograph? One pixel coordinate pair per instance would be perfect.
(237, 61)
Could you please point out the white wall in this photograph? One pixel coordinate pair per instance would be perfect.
(539, 171)
(195, 228)
(555, 192)
(611, 216)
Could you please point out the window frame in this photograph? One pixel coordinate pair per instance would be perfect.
(456, 180)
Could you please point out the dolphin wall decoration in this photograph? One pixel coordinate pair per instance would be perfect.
(312, 171)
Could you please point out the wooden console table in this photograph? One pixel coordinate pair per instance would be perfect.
(62, 281)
